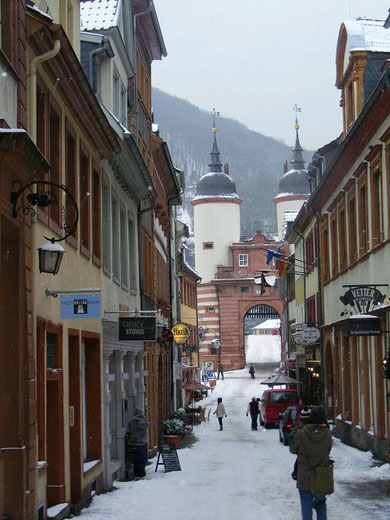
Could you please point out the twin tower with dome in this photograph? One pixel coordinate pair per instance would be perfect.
(228, 266)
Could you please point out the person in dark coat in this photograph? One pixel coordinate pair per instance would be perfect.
(252, 370)
(138, 436)
(220, 371)
(312, 444)
(253, 409)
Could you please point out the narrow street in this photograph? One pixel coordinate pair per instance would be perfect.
(237, 473)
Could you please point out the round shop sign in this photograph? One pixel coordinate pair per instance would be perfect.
(181, 332)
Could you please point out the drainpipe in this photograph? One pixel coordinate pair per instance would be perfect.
(135, 18)
(92, 55)
(34, 64)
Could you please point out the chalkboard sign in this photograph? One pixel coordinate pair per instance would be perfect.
(169, 456)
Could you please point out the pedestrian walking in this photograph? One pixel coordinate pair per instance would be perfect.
(253, 409)
(312, 444)
(138, 435)
(304, 419)
(298, 409)
(220, 412)
(252, 370)
(220, 371)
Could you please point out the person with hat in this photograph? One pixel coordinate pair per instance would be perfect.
(312, 443)
(138, 435)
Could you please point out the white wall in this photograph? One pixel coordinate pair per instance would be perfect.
(218, 223)
(281, 207)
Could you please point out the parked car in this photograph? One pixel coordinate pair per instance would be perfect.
(275, 401)
(286, 423)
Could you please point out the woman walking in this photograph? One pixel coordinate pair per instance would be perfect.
(220, 412)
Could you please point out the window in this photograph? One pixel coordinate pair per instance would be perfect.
(115, 236)
(70, 169)
(363, 235)
(342, 239)
(309, 251)
(84, 202)
(311, 316)
(124, 249)
(325, 249)
(208, 245)
(96, 216)
(116, 93)
(106, 226)
(51, 354)
(55, 157)
(244, 289)
(123, 103)
(132, 254)
(352, 239)
(376, 206)
(243, 260)
(334, 239)
(210, 309)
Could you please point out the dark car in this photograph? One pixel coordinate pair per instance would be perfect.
(286, 423)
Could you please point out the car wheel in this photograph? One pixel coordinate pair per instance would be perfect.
(285, 441)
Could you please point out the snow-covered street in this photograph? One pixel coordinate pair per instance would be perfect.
(242, 474)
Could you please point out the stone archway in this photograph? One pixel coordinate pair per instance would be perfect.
(262, 344)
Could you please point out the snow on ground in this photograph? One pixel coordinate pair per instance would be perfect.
(262, 348)
(239, 474)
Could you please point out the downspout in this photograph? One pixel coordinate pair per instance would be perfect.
(34, 64)
(135, 18)
(92, 54)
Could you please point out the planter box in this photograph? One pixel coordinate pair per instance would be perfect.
(172, 439)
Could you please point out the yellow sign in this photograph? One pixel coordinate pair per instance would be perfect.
(181, 332)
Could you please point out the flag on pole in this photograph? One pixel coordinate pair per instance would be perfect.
(272, 254)
(281, 266)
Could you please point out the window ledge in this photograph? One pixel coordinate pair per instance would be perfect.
(89, 465)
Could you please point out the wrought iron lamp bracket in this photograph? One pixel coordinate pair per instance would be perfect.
(29, 200)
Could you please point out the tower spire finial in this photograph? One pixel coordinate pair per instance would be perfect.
(297, 162)
(215, 164)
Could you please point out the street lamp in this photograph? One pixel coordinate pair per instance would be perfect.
(51, 253)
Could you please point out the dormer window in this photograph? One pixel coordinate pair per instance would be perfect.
(243, 260)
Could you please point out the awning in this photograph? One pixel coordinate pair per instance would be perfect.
(280, 379)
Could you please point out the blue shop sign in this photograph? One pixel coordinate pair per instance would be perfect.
(75, 306)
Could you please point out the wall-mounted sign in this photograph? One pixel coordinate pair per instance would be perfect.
(181, 332)
(75, 306)
(364, 325)
(306, 336)
(362, 298)
(137, 328)
(166, 337)
(209, 366)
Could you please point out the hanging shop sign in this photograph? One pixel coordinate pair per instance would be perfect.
(364, 325)
(362, 298)
(306, 336)
(166, 337)
(74, 306)
(181, 332)
(137, 328)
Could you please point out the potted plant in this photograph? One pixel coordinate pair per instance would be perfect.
(181, 414)
(173, 430)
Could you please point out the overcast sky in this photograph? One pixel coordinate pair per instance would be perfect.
(253, 60)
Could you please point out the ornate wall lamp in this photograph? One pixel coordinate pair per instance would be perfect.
(24, 199)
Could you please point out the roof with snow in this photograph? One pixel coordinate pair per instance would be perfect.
(98, 15)
(268, 324)
(370, 35)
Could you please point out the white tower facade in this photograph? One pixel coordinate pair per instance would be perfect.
(217, 221)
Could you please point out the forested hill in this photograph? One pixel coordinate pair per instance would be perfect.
(255, 161)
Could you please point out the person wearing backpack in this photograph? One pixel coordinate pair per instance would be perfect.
(253, 409)
(312, 444)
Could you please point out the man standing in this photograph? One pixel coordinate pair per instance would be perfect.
(138, 435)
(312, 444)
(253, 409)
(220, 371)
(252, 370)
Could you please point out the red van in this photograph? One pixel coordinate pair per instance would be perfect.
(275, 401)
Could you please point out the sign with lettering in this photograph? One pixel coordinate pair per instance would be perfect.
(137, 328)
(170, 458)
(181, 332)
(364, 325)
(362, 298)
(75, 306)
(306, 336)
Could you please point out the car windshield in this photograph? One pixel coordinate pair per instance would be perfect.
(283, 397)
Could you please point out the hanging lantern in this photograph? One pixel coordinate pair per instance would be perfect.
(50, 257)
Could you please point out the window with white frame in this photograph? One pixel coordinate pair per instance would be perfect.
(124, 249)
(106, 217)
(132, 254)
(123, 114)
(116, 94)
(115, 236)
(243, 260)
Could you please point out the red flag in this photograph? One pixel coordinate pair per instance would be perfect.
(281, 266)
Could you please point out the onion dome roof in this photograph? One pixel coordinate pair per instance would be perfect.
(216, 183)
(296, 180)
